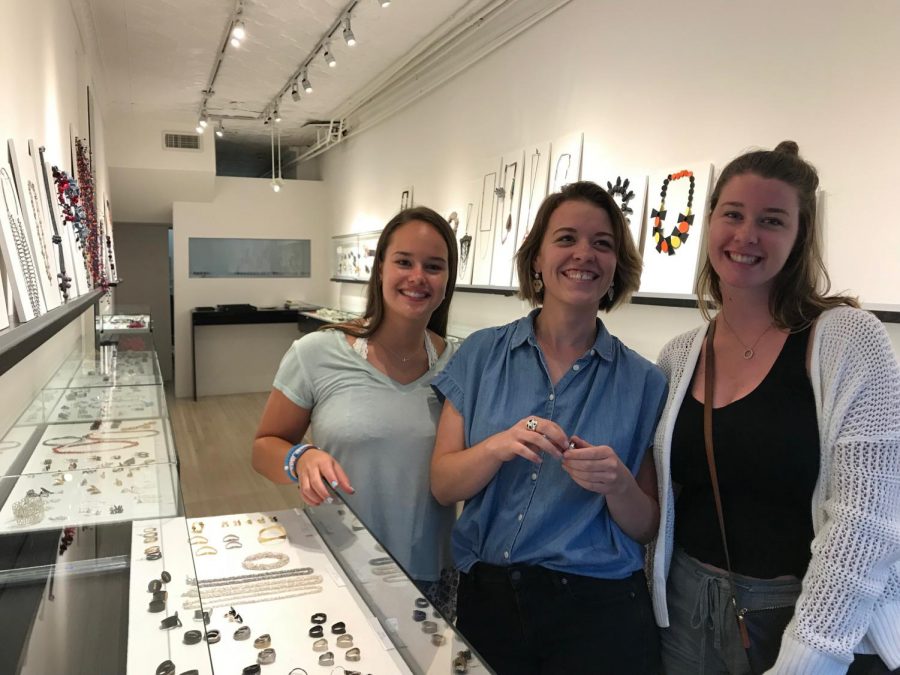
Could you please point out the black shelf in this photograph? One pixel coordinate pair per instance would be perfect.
(18, 342)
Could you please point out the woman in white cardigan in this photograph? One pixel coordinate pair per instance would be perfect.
(805, 423)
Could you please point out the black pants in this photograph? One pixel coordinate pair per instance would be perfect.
(530, 620)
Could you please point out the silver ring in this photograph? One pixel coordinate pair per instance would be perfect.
(531, 424)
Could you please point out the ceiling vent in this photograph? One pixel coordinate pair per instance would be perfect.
(174, 141)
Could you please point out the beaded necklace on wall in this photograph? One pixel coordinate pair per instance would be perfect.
(39, 225)
(65, 281)
(29, 270)
(679, 234)
(68, 196)
(93, 250)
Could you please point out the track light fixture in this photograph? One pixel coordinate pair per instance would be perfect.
(304, 80)
(199, 129)
(238, 31)
(204, 120)
(327, 55)
(384, 3)
(277, 116)
(295, 92)
(349, 38)
(220, 129)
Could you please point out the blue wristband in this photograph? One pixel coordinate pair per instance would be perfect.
(290, 461)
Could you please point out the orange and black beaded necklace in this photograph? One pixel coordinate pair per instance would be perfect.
(679, 234)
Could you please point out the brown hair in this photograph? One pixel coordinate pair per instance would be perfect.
(374, 314)
(627, 277)
(799, 291)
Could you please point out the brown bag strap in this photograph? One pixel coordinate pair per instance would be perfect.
(713, 474)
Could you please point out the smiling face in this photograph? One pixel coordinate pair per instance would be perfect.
(577, 256)
(752, 232)
(414, 271)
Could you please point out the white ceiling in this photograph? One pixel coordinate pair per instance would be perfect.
(157, 56)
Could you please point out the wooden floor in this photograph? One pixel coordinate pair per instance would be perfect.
(213, 437)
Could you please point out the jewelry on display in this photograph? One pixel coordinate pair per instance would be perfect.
(198, 539)
(165, 668)
(230, 537)
(338, 628)
(326, 659)
(232, 615)
(245, 578)
(154, 556)
(170, 622)
(242, 633)
(213, 636)
(206, 550)
(257, 561)
(253, 669)
(234, 544)
(197, 527)
(531, 424)
(298, 671)
(352, 654)
(200, 615)
(318, 617)
(749, 352)
(165, 577)
(316, 632)
(154, 586)
(20, 240)
(377, 562)
(438, 640)
(344, 641)
(28, 511)
(679, 234)
(263, 641)
(275, 532)
(156, 606)
(266, 656)
(386, 570)
(621, 188)
(192, 637)
(429, 627)
(421, 603)
(320, 645)
(419, 615)
(161, 595)
(250, 598)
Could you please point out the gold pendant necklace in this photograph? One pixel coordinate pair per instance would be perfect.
(749, 352)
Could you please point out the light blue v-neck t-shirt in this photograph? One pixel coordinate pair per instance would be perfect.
(382, 433)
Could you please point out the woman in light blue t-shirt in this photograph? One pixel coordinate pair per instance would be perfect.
(364, 388)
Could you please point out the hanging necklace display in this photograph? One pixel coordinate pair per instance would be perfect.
(65, 282)
(506, 227)
(93, 255)
(560, 181)
(487, 224)
(453, 221)
(621, 189)
(465, 243)
(534, 162)
(679, 234)
(69, 198)
(23, 248)
(38, 214)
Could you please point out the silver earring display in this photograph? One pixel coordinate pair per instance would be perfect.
(537, 283)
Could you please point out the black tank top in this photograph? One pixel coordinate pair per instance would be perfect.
(767, 458)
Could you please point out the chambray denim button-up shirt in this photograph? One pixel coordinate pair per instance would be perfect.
(536, 514)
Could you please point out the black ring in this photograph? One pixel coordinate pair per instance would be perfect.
(419, 615)
(200, 615)
(161, 595)
(213, 636)
(156, 555)
(326, 659)
(316, 632)
(339, 628)
(318, 617)
(154, 586)
(166, 577)
(165, 668)
(192, 637)
(421, 603)
(157, 606)
(170, 622)
(242, 633)
(254, 669)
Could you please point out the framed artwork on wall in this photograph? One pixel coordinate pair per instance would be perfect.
(565, 160)
(406, 198)
(509, 198)
(674, 229)
(23, 273)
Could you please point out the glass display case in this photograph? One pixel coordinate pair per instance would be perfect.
(130, 326)
(353, 255)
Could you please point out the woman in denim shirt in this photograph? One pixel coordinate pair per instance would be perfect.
(544, 434)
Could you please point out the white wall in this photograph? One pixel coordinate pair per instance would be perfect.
(234, 359)
(654, 84)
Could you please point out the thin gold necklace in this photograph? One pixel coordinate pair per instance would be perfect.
(749, 352)
(402, 359)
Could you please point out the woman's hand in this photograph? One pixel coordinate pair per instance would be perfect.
(597, 468)
(527, 438)
(314, 467)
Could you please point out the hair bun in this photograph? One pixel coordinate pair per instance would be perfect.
(788, 148)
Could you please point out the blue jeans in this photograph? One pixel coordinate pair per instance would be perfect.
(703, 638)
(528, 620)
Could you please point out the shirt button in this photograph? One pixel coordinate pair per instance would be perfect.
(552, 396)
(506, 555)
(521, 517)
(534, 476)
(576, 367)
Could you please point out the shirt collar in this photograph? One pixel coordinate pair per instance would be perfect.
(524, 332)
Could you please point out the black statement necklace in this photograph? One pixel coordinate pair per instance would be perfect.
(679, 234)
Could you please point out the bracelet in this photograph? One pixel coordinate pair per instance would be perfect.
(290, 461)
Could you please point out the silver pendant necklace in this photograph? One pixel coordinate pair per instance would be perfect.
(749, 352)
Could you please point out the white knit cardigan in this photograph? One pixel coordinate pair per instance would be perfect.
(850, 600)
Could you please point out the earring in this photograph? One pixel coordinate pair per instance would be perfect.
(537, 283)
(611, 292)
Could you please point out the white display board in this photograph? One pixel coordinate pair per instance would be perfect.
(485, 222)
(674, 229)
(534, 191)
(509, 195)
(565, 160)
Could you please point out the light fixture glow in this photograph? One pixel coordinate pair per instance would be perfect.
(199, 129)
(235, 42)
(220, 129)
(349, 38)
(204, 120)
(384, 3)
(295, 92)
(277, 116)
(276, 186)
(238, 31)
(328, 56)
(304, 80)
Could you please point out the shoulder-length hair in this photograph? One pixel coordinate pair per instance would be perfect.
(627, 277)
(800, 289)
(374, 314)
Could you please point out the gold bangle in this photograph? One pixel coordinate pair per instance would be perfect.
(198, 539)
(206, 550)
(278, 533)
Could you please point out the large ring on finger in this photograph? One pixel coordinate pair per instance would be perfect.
(531, 424)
